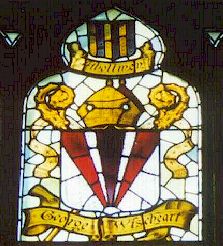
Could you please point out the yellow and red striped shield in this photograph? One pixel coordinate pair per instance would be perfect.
(111, 40)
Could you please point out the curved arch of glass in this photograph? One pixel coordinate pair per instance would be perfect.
(121, 152)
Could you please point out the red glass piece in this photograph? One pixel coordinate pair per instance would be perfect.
(110, 144)
(75, 143)
(84, 164)
(97, 190)
(122, 191)
(144, 145)
(134, 166)
(76, 146)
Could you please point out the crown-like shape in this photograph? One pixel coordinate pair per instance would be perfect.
(109, 107)
(110, 37)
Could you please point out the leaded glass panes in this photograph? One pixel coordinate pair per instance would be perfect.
(112, 146)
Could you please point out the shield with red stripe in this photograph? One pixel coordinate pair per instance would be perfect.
(122, 155)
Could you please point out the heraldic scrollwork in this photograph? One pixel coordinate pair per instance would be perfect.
(110, 145)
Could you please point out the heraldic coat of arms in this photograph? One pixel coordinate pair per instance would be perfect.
(111, 146)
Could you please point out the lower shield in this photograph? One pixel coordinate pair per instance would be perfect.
(110, 161)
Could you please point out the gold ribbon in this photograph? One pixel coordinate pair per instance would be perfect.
(50, 155)
(80, 62)
(171, 101)
(38, 220)
(176, 213)
(52, 101)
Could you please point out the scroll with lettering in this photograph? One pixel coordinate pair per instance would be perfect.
(176, 213)
(80, 62)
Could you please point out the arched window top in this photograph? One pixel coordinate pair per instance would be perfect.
(113, 139)
(105, 28)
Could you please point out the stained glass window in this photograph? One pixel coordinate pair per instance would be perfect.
(111, 146)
